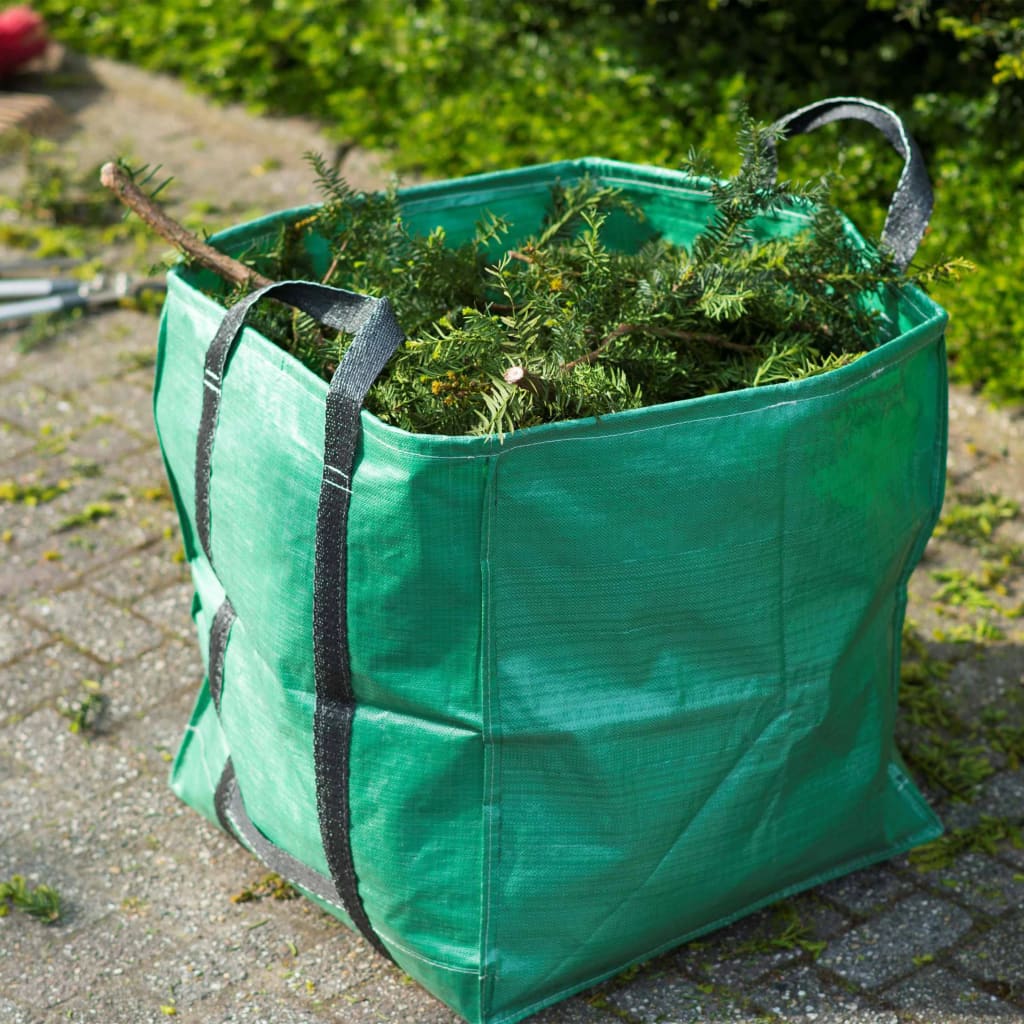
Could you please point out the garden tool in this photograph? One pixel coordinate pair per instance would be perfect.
(24, 297)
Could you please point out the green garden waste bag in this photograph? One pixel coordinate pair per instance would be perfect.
(525, 711)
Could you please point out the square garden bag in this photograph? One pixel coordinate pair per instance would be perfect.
(526, 711)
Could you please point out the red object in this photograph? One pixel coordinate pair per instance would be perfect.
(22, 37)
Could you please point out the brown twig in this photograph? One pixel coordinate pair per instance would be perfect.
(661, 332)
(521, 377)
(121, 184)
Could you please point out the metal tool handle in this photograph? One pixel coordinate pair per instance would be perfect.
(37, 287)
(36, 307)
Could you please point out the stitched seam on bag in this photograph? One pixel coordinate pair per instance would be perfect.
(427, 959)
(490, 747)
(665, 426)
(906, 789)
(781, 894)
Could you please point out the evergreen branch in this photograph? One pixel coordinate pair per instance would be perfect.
(661, 332)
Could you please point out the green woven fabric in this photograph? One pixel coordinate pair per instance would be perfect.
(618, 682)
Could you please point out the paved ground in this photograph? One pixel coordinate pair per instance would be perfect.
(92, 588)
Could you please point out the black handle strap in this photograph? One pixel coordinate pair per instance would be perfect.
(376, 335)
(356, 314)
(911, 205)
(235, 820)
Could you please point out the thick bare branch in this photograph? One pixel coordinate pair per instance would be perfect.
(152, 214)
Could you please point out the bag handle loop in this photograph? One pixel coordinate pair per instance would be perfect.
(376, 336)
(911, 204)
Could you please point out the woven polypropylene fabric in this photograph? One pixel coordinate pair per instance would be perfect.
(617, 682)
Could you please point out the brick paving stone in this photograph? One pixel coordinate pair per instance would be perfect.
(170, 609)
(142, 878)
(976, 685)
(48, 528)
(141, 572)
(13, 443)
(263, 1007)
(84, 434)
(864, 892)
(169, 674)
(393, 998)
(573, 1011)
(90, 767)
(294, 938)
(120, 1004)
(1013, 855)
(936, 994)
(821, 920)
(130, 402)
(338, 970)
(106, 954)
(801, 995)
(176, 874)
(11, 362)
(17, 636)
(242, 1011)
(980, 881)
(26, 405)
(668, 998)
(107, 442)
(42, 558)
(93, 623)
(1003, 796)
(998, 956)
(735, 956)
(884, 948)
(148, 817)
(41, 676)
(98, 343)
(11, 1013)
(20, 801)
(373, 990)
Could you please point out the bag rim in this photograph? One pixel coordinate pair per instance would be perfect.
(745, 401)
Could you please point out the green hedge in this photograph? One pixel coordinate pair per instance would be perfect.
(470, 85)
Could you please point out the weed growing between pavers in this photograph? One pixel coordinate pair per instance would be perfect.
(941, 749)
(1007, 739)
(977, 591)
(786, 931)
(45, 329)
(84, 710)
(270, 886)
(989, 835)
(990, 594)
(61, 211)
(942, 746)
(973, 518)
(30, 493)
(41, 902)
(92, 513)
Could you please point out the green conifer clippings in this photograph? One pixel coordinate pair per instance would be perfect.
(562, 326)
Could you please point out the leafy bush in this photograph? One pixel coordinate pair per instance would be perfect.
(461, 86)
